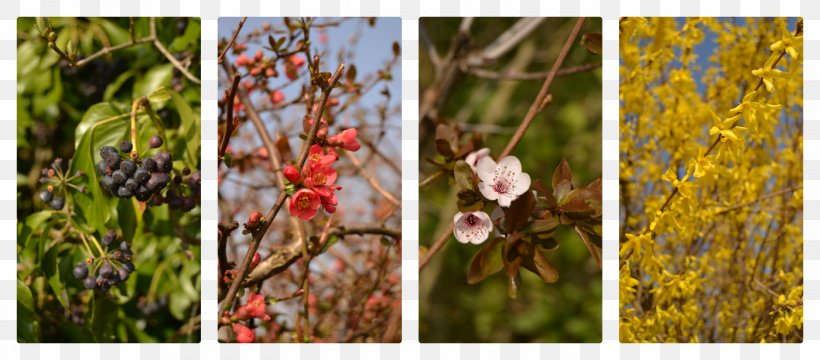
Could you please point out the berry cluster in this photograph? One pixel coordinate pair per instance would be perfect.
(127, 176)
(111, 269)
(57, 184)
(183, 192)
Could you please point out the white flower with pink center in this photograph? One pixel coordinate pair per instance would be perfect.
(503, 181)
(472, 227)
(474, 157)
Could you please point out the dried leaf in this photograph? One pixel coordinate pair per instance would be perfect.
(592, 42)
(593, 250)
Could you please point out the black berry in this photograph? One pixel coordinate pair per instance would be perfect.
(125, 146)
(150, 164)
(119, 177)
(57, 203)
(123, 192)
(142, 175)
(46, 195)
(123, 272)
(80, 271)
(155, 142)
(128, 167)
(90, 282)
(109, 237)
(106, 270)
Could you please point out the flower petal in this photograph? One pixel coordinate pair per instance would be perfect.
(486, 169)
(505, 200)
(510, 164)
(488, 191)
(522, 184)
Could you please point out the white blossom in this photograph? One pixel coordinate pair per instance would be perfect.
(473, 158)
(503, 181)
(472, 227)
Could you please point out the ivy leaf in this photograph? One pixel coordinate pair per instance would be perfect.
(487, 261)
(51, 268)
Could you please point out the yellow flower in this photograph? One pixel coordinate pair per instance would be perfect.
(701, 165)
(728, 134)
(749, 108)
(788, 43)
(767, 73)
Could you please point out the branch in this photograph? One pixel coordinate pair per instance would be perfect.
(230, 121)
(519, 133)
(372, 180)
(230, 42)
(263, 228)
(158, 44)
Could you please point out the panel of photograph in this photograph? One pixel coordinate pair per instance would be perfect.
(309, 156)
(108, 181)
(510, 189)
(711, 180)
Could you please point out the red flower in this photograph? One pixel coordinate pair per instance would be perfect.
(291, 71)
(292, 174)
(318, 159)
(256, 70)
(320, 179)
(243, 60)
(277, 97)
(253, 220)
(330, 202)
(256, 259)
(307, 123)
(296, 60)
(304, 204)
(258, 55)
(271, 72)
(254, 308)
(243, 334)
(345, 140)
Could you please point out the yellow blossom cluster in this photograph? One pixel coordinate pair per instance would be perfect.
(711, 189)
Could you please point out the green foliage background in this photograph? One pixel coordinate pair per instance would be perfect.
(58, 109)
(570, 127)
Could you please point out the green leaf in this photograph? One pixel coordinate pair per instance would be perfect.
(189, 128)
(487, 261)
(103, 317)
(115, 86)
(178, 305)
(28, 326)
(24, 297)
(51, 268)
(465, 177)
(103, 124)
(155, 78)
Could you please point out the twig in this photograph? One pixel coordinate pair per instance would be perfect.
(372, 180)
(429, 180)
(131, 30)
(513, 75)
(106, 50)
(230, 121)
(510, 38)
(222, 243)
(764, 197)
(432, 53)
(525, 124)
(158, 44)
(230, 42)
(519, 133)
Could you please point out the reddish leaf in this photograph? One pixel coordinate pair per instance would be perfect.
(539, 186)
(396, 49)
(443, 148)
(283, 146)
(592, 42)
(465, 177)
(487, 261)
(546, 244)
(539, 265)
(519, 212)
(562, 173)
(351, 74)
(593, 250)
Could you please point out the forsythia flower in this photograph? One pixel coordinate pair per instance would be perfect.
(767, 73)
(788, 42)
(503, 181)
(472, 227)
(685, 188)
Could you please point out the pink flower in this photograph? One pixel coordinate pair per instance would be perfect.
(254, 308)
(292, 174)
(243, 60)
(296, 60)
(503, 181)
(271, 72)
(472, 227)
(318, 159)
(304, 204)
(345, 140)
(258, 56)
(291, 71)
(248, 85)
(256, 70)
(277, 97)
(243, 333)
(473, 157)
